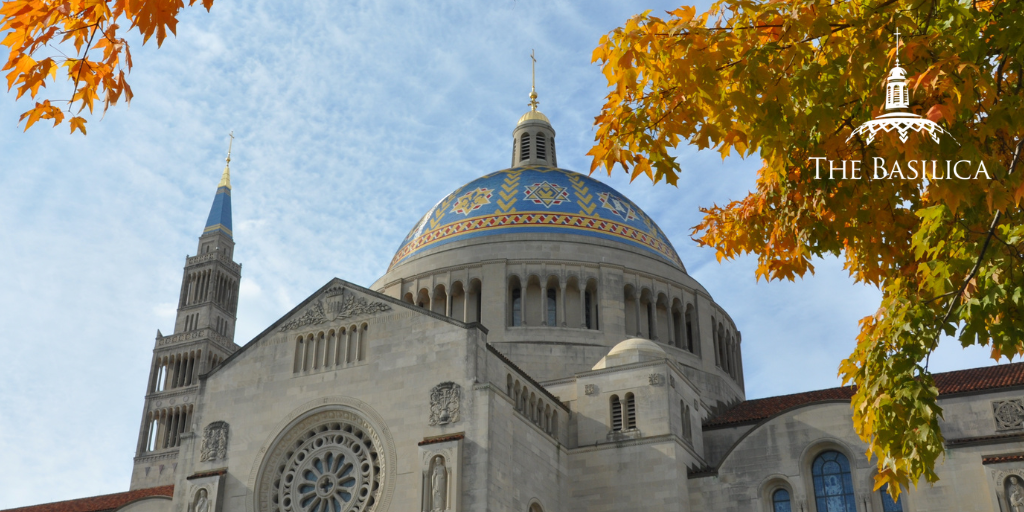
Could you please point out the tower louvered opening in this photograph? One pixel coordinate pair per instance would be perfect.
(524, 147)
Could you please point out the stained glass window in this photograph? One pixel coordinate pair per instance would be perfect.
(780, 501)
(552, 307)
(887, 504)
(833, 484)
(517, 307)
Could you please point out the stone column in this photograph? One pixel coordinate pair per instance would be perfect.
(561, 305)
(583, 307)
(543, 305)
(636, 303)
(672, 328)
(653, 308)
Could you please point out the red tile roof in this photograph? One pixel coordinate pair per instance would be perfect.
(98, 503)
(441, 439)
(996, 459)
(961, 441)
(949, 383)
(204, 474)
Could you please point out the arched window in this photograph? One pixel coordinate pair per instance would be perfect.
(151, 442)
(833, 485)
(590, 300)
(677, 326)
(361, 349)
(780, 501)
(524, 147)
(552, 307)
(331, 349)
(541, 147)
(536, 508)
(687, 425)
(508, 384)
(616, 413)
(517, 307)
(630, 411)
(887, 504)
(689, 327)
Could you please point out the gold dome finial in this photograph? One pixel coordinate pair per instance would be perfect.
(533, 114)
(533, 84)
(225, 179)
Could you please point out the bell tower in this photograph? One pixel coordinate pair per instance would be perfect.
(203, 336)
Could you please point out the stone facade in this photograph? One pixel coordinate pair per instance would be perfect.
(520, 367)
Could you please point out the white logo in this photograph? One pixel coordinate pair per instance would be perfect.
(897, 98)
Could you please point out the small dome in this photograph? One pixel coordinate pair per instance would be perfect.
(533, 115)
(633, 350)
(897, 73)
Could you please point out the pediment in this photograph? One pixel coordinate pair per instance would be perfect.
(336, 302)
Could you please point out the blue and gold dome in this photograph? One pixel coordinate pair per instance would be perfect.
(536, 199)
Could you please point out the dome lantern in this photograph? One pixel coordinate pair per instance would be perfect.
(533, 140)
(896, 94)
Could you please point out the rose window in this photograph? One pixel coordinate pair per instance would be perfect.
(331, 466)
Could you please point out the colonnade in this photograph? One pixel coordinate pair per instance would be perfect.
(165, 427)
(209, 285)
(330, 349)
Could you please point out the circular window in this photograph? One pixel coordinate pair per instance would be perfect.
(329, 462)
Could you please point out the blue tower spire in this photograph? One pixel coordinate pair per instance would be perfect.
(220, 212)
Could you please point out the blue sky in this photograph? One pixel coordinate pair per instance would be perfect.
(351, 119)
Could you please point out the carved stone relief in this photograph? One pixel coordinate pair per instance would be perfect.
(347, 305)
(1009, 414)
(444, 403)
(215, 442)
(589, 389)
(656, 379)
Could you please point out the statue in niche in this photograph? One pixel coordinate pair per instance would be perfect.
(438, 491)
(202, 503)
(1015, 494)
(215, 442)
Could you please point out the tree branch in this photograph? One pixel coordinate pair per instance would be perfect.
(984, 246)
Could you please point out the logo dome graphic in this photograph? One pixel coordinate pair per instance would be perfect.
(897, 98)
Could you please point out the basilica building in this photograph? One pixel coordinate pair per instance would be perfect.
(536, 345)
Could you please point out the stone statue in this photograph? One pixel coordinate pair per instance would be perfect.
(438, 486)
(1015, 495)
(202, 502)
(215, 442)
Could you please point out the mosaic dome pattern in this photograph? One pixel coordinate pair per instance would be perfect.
(536, 199)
